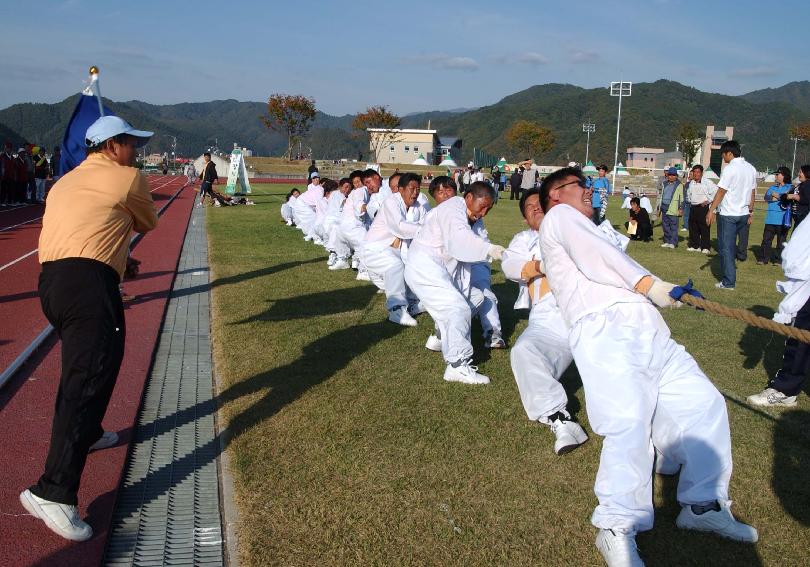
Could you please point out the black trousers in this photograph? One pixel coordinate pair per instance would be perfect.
(771, 230)
(515, 193)
(80, 298)
(206, 189)
(7, 187)
(795, 360)
(700, 235)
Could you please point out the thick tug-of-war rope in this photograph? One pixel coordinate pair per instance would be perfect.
(687, 294)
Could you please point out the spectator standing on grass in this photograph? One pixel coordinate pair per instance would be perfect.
(800, 196)
(208, 176)
(56, 159)
(530, 176)
(514, 183)
(686, 204)
(734, 206)
(777, 219)
(671, 207)
(312, 168)
(21, 184)
(701, 193)
(31, 183)
(601, 190)
(83, 247)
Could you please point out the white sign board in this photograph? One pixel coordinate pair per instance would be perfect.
(237, 172)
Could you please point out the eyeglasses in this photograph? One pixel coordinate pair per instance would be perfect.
(579, 182)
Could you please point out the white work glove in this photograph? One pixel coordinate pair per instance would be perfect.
(659, 294)
(496, 252)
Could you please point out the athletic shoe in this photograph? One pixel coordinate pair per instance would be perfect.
(434, 343)
(665, 245)
(217, 204)
(771, 397)
(719, 285)
(618, 547)
(400, 316)
(494, 340)
(690, 249)
(705, 250)
(289, 223)
(307, 238)
(61, 519)
(464, 373)
(108, 439)
(340, 264)
(332, 259)
(363, 277)
(684, 230)
(719, 521)
(317, 240)
(569, 434)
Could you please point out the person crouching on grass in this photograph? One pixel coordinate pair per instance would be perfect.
(644, 393)
(446, 240)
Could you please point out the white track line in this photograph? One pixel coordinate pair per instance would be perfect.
(23, 257)
(17, 208)
(19, 224)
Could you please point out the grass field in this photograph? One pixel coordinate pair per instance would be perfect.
(350, 449)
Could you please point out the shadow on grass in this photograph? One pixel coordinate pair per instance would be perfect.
(759, 345)
(791, 465)
(714, 264)
(667, 545)
(318, 304)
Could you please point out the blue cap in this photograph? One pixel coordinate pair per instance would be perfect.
(314, 174)
(108, 126)
(672, 171)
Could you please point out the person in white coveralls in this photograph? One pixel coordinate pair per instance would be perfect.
(337, 248)
(541, 354)
(445, 240)
(354, 221)
(644, 393)
(390, 233)
(304, 207)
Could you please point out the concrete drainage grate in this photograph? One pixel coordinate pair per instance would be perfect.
(167, 512)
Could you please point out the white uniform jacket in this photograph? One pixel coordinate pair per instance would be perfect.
(524, 247)
(390, 223)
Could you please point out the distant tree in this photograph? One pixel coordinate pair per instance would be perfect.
(529, 138)
(801, 131)
(377, 117)
(292, 114)
(689, 139)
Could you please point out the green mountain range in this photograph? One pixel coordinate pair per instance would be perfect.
(649, 118)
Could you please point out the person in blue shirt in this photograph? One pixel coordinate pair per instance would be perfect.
(777, 219)
(601, 190)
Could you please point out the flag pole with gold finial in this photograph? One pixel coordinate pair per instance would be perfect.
(94, 89)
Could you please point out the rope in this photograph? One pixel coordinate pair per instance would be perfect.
(747, 317)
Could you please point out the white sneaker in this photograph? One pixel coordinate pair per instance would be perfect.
(289, 223)
(618, 547)
(494, 340)
(108, 439)
(464, 373)
(332, 259)
(307, 238)
(340, 264)
(720, 522)
(217, 204)
(363, 277)
(434, 343)
(705, 250)
(690, 249)
(317, 240)
(569, 434)
(771, 397)
(61, 519)
(665, 245)
(684, 230)
(400, 316)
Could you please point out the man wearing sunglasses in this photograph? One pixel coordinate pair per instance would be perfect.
(644, 393)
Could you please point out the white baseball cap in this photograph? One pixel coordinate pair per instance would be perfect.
(108, 126)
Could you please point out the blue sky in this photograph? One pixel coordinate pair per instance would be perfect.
(409, 55)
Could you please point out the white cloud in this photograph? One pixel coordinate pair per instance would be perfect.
(444, 61)
(754, 72)
(583, 56)
(533, 58)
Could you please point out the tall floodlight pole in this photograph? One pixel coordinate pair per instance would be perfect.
(588, 128)
(796, 139)
(620, 89)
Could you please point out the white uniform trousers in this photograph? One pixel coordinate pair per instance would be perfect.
(305, 218)
(286, 212)
(643, 390)
(355, 237)
(335, 242)
(449, 307)
(387, 271)
(483, 299)
(539, 358)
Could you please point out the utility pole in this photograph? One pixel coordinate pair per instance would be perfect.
(796, 139)
(589, 128)
(620, 89)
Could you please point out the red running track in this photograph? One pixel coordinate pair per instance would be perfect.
(26, 403)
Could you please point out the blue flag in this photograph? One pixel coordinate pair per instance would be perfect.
(74, 150)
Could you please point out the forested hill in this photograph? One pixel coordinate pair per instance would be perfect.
(650, 117)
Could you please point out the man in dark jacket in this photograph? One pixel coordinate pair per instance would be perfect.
(642, 220)
(514, 184)
(208, 176)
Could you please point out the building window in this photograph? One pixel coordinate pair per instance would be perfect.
(416, 149)
(407, 149)
(391, 149)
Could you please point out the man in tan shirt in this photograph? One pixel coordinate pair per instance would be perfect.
(89, 217)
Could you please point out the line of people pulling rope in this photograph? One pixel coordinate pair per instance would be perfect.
(590, 303)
